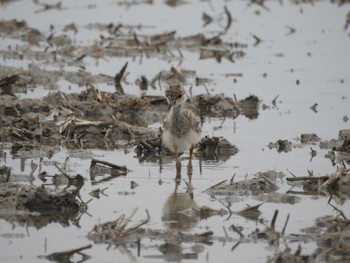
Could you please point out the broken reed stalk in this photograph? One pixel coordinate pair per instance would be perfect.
(70, 252)
(95, 161)
(338, 210)
(62, 172)
(127, 219)
(268, 181)
(215, 185)
(274, 219)
(236, 245)
(229, 19)
(307, 178)
(285, 225)
(141, 223)
(237, 231)
(291, 173)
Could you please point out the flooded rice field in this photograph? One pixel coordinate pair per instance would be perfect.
(84, 172)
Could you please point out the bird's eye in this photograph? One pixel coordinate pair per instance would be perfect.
(179, 96)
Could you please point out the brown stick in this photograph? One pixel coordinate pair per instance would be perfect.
(229, 18)
(70, 252)
(274, 219)
(236, 245)
(285, 225)
(95, 161)
(307, 178)
(65, 175)
(215, 185)
(237, 230)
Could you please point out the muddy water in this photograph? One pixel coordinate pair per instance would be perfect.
(308, 66)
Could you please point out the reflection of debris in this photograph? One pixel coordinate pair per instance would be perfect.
(47, 7)
(118, 77)
(219, 53)
(180, 211)
(342, 136)
(116, 231)
(314, 107)
(260, 3)
(280, 198)
(257, 40)
(101, 168)
(292, 30)
(250, 212)
(207, 19)
(274, 101)
(215, 147)
(96, 193)
(269, 233)
(337, 185)
(133, 184)
(202, 82)
(202, 212)
(142, 83)
(174, 75)
(174, 3)
(5, 173)
(334, 241)
(249, 107)
(281, 146)
(342, 153)
(40, 205)
(287, 256)
(229, 19)
(306, 138)
(263, 182)
(347, 22)
(219, 105)
(65, 256)
(313, 153)
(332, 236)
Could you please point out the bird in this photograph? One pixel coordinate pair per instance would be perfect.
(181, 127)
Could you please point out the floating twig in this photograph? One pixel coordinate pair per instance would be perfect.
(118, 77)
(95, 161)
(285, 225)
(272, 226)
(65, 255)
(229, 19)
(237, 230)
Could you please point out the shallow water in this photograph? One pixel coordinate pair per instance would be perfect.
(317, 55)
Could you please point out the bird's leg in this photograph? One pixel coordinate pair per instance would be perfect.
(189, 165)
(178, 168)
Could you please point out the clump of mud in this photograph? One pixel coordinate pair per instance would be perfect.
(38, 206)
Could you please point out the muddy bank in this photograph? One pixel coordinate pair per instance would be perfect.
(93, 115)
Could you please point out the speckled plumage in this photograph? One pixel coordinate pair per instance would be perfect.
(182, 127)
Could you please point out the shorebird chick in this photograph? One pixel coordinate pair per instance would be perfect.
(181, 128)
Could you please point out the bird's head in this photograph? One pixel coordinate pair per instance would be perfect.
(175, 94)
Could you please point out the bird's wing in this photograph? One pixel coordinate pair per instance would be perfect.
(194, 121)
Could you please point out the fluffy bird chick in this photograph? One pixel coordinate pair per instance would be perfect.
(181, 127)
